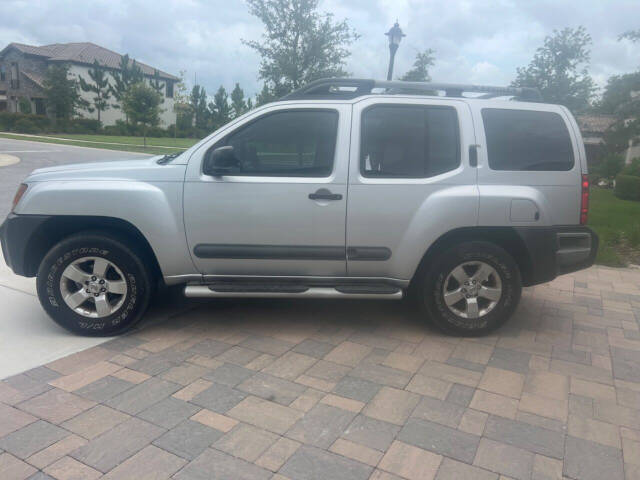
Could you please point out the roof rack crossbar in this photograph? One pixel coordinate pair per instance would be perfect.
(347, 88)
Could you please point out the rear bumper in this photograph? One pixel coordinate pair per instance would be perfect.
(558, 250)
(17, 234)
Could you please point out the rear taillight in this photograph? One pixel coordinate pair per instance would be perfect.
(584, 200)
(21, 189)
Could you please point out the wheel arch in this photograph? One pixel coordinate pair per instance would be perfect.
(59, 227)
(505, 237)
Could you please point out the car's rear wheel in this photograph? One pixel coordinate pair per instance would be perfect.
(471, 289)
(93, 284)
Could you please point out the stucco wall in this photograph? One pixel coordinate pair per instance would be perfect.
(110, 115)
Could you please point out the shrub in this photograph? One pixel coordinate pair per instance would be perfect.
(26, 125)
(23, 123)
(610, 166)
(628, 187)
(633, 168)
(24, 105)
(78, 125)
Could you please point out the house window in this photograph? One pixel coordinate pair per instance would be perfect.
(3, 75)
(15, 83)
(169, 89)
(40, 110)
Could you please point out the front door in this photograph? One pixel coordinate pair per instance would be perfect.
(281, 210)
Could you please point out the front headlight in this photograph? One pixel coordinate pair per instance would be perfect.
(21, 189)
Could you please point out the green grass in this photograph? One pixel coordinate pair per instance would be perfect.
(617, 223)
(131, 144)
(153, 141)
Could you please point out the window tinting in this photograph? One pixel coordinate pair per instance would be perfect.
(409, 141)
(527, 140)
(286, 144)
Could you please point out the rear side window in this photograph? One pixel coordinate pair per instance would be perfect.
(409, 141)
(527, 140)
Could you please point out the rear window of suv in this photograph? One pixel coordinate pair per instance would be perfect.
(409, 141)
(527, 140)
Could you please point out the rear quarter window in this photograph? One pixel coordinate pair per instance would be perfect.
(526, 140)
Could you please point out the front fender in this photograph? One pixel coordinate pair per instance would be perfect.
(154, 208)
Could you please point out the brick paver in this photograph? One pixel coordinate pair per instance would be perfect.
(346, 390)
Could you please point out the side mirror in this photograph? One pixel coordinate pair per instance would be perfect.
(220, 162)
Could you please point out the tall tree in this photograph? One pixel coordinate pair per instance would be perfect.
(100, 88)
(265, 96)
(142, 105)
(633, 35)
(420, 70)
(299, 43)
(128, 73)
(238, 103)
(219, 109)
(182, 105)
(198, 101)
(559, 69)
(156, 83)
(621, 98)
(61, 91)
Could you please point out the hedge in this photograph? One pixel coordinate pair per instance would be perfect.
(628, 187)
(34, 124)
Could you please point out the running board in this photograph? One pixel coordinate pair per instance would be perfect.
(210, 291)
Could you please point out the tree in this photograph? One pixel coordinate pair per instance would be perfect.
(299, 44)
(219, 109)
(129, 73)
(238, 104)
(61, 91)
(420, 70)
(633, 35)
(198, 100)
(265, 96)
(156, 84)
(182, 105)
(559, 69)
(100, 88)
(141, 103)
(621, 98)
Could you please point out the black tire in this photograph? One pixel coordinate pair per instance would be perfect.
(105, 245)
(431, 288)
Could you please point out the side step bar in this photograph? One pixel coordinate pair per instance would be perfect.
(209, 291)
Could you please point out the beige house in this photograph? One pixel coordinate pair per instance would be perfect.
(23, 67)
(593, 128)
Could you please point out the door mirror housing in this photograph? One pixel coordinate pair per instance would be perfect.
(220, 162)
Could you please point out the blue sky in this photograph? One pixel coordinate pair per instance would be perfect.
(475, 41)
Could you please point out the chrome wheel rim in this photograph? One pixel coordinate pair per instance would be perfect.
(472, 289)
(93, 287)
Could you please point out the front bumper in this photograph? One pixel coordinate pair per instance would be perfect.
(18, 236)
(557, 250)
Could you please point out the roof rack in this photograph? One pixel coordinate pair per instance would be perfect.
(348, 88)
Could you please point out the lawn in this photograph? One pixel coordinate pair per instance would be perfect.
(128, 144)
(617, 223)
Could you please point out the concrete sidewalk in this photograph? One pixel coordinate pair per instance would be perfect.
(345, 390)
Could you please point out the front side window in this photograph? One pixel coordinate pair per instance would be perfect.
(291, 143)
(409, 141)
(527, 140)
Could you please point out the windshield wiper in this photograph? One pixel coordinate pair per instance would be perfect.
(167, 158)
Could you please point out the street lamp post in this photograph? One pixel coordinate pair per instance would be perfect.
(395, 36)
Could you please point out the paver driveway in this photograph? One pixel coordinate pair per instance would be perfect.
(353, 390)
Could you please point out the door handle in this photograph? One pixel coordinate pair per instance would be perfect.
(473, 155)
(324, 194)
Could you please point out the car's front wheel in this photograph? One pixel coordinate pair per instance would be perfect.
(471, 289)
(93, 284)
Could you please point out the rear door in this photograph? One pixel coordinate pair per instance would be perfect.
(409, 181)
(529, 170)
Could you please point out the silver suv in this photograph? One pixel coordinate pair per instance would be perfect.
(455, 195)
